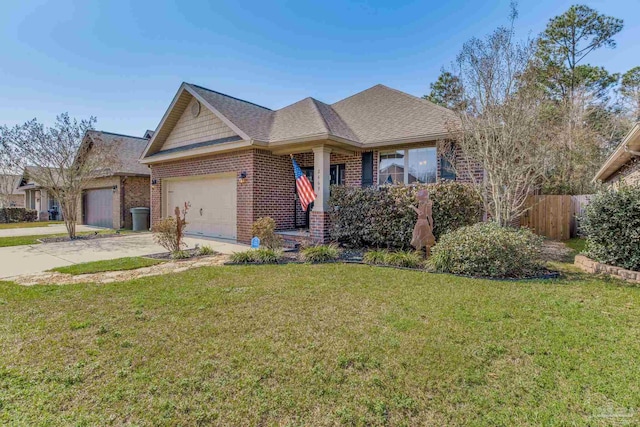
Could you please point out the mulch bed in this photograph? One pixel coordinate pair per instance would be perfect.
(82, 237)
(167, 255)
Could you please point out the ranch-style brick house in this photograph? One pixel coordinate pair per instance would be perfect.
(623, 165)
(120, 186)
(231, 159)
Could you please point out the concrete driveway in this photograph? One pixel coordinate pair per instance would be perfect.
(50, 229)
(30, 259)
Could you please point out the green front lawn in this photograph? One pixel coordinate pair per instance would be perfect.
(5, 226)
(320, 345)
(33, 240)
(118, 264)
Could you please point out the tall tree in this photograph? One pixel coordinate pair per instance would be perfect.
(569, 38)
(447, 91)
(579, 95)
(57, 159)
(502, 129)
(630, 91)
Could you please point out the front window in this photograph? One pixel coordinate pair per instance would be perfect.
(391, 167)
(411, 166)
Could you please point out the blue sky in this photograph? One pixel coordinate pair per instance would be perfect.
(122, 61)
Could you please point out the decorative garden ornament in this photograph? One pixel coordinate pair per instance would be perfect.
(423, 231)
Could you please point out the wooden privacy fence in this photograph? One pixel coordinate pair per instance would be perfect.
(554, 217)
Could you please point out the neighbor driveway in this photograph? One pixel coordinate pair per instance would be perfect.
(30, 259)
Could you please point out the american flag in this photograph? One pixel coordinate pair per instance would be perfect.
(303, 186)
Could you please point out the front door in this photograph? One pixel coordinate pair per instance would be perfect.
(337, 175)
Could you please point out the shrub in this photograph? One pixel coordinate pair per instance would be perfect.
(611, 223)
(205, 250)
(488, 250)
(265, 229)
(180, 254)
(375, 256)
(258, 256)
(320, 253)
(409, 259)
(18, 215)
(368, 217)
(169, 232)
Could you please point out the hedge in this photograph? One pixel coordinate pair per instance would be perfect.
(18, 215)
(382, 218)
(611, 223)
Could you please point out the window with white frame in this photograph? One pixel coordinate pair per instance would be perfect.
(410, 166)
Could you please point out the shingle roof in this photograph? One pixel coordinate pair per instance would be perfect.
(381, 114)
(255, 120)
(378, 114)
(127, 148)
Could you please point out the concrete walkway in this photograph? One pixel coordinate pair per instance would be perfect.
(50, 229)
(30, 259)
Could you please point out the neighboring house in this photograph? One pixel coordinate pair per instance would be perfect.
(10, 196)
(230, 159)
(623, 165)
(37, 197)
(107, 199)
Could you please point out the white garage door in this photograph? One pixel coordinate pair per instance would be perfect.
(213, 204)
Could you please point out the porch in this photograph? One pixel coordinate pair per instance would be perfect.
(324, 166)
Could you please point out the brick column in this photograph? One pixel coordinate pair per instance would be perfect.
(319, 217)
(320, 226)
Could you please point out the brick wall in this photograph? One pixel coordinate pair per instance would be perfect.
(136, 193)
(269, 189)
(241, 161)
(629, 173)
(274, 188)
(15, 200)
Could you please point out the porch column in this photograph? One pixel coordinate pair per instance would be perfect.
(319, 217)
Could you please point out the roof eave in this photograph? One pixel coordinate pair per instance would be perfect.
(408, 140)
(198, 152)
(620, 156)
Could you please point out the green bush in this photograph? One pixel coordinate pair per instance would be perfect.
(18, 215)
(409, 259)
(611, 223)
(320, 253)
(265, 229)
(488, 250)
(368, 217)
(257, 256)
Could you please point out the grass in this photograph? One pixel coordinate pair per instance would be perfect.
(6, 226)
(320, 345)
(577, 244)
(119, 264)
(33, 240)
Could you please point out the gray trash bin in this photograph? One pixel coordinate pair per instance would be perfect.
(140, 219)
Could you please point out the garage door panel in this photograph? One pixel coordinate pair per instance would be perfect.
(213, 204)
(98, 207)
